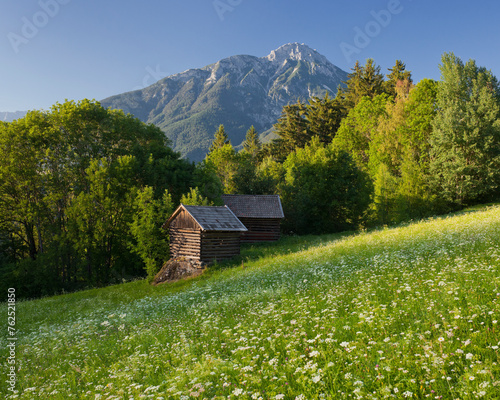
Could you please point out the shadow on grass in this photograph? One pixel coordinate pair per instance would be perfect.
(475, 209)
(286, 245)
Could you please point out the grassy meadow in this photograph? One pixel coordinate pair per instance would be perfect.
(409, 312)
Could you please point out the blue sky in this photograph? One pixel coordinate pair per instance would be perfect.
(52, 50)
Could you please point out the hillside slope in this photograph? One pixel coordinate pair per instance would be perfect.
(238, 92)
(408, 312)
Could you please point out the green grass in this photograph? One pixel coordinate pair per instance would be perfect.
(404, 312)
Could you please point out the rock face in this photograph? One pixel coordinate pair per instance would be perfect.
(176, 269)
(237, 92)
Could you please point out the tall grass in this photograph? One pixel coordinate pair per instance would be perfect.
(407, 312)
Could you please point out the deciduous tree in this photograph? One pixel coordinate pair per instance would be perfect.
(323, 190)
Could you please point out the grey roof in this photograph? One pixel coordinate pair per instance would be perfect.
(212, 218)
(254, 206)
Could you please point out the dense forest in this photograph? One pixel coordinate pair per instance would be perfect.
(84, 190)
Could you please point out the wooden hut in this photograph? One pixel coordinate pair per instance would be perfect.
(204, 233)
(260, 214)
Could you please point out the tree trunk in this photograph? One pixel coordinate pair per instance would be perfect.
(30, 238)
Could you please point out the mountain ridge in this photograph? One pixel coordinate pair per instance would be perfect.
(237, 91)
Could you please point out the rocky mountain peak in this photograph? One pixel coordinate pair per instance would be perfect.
(296, 51)
(237, 91)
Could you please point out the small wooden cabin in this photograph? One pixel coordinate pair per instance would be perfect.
(261, 214)
(204, 233)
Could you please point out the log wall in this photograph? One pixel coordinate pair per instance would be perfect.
(203, 246)
(185, 242)
(219, 245)
(260, 230)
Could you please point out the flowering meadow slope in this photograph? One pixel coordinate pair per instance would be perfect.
(409, 312)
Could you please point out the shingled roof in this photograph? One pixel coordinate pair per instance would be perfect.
(211, 218)
(254, 206)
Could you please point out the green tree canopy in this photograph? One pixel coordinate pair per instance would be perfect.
(363, 81)
(292, 129)
(465, 154)
(220, 139)
(149, 240)
(195, 198)
(68, 178)
(356, 130)
(398, 73)
(252, 144)
(224, 162)
(324, 116)
(323, 190)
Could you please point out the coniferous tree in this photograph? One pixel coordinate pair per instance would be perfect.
(399, 154)
(397, 73)
(224, 162)
(364, 81)
(372, 80)
(252, 144)
(323, 117)
(350, 95)
(220, 139)
(465, 153)
(292, 129)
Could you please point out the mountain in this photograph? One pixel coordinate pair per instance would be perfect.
(238, 92)
(11, 116)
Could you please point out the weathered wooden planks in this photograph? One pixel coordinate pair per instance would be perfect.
(204, 233)
(260, 230)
